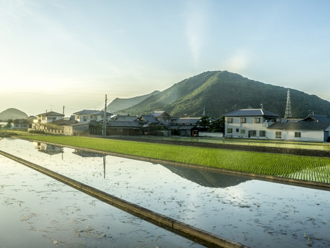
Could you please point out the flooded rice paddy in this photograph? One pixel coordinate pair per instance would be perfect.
(252, 212)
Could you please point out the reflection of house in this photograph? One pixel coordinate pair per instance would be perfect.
(207, 178)
(262, 124)
(86, 154)
(49, 149)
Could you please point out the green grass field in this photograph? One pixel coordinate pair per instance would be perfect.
(290, 166)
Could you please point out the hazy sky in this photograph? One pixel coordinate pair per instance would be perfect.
(72, 52)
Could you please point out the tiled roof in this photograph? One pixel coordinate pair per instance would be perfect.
(86, 112)
(188, 120)
(251, 112)
(150, 119)
(317, 118)
(51, 113)
(124, 124)
(301, 125)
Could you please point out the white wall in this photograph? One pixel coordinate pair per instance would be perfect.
(248, 126)
(211, 134)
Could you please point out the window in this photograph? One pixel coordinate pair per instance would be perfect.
(85, 118)
(237, 130)
(278, 135)
(262, 133)
(242, 131)
(229, 130)
(230, 120)
(256, 120)
(243, 120)
(253, 133)
(297, 134)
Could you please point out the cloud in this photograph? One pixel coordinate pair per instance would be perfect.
(195, 24)
(238, 62)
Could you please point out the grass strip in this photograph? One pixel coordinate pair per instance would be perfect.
(290, 166)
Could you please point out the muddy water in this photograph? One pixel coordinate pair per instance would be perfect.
(251, 212)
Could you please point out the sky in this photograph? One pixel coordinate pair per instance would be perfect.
(74, 52)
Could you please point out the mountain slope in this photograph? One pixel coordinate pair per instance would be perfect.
(12, 113)
(221, 91)
(119, 104)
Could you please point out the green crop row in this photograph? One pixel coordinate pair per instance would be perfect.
(282, 165)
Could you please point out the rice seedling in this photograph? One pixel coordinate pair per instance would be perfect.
(281, 165)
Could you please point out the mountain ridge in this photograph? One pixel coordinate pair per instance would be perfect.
(222, 91)
(12, 113)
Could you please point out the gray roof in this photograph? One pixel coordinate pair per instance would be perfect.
(51, 113)
(86, 112)
(317, 118)
(150, 119)
(124, 118)
(251, 112)
(124, 124)
(301, 125)
(188, 120)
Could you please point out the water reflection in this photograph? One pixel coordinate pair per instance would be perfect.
(207, 178)
(86, 154)
(49, 149)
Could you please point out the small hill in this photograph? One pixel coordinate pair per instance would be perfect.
(13, 114)
(222, 91)
(119, 104)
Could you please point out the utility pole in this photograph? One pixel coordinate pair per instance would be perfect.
(105, 118)
(63, 109)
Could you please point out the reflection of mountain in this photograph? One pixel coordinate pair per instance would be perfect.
(86, 154)
(49, 149)
(207, 178)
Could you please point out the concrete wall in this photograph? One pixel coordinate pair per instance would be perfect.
(211, 134)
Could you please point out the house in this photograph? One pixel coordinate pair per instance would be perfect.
(48, 117)
(300, 131)
(249, 123)
(163, 117)
(21, 124)
(125, 125)
(185, 126)
(262, 124)
(85, 116)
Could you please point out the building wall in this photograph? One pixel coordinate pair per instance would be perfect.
(312, 136)
(211, 134)
(241, 130)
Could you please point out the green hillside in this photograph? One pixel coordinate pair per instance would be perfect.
(221, 92)
(119, 103)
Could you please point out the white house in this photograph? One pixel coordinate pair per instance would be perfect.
(248, 123)
(300, 131)
(48, 117)
(85, 116)
(262, 124)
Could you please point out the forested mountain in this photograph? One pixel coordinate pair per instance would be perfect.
(222, 91)
(119, 104)
(13, 114)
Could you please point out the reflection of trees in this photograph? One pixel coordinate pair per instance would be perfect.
(207, 178)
